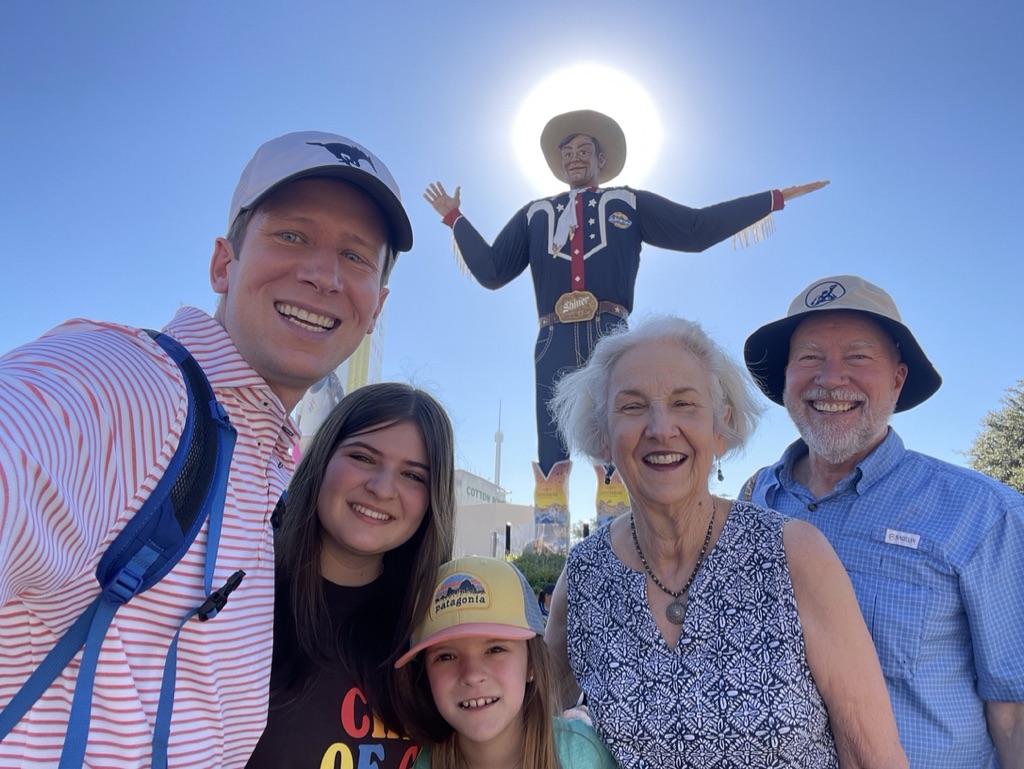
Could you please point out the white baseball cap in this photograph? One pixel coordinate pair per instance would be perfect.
(313, 153)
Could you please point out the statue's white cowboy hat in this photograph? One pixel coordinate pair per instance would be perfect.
(767, 350)
(584, 121)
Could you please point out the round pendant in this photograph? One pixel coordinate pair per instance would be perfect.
(675, 612)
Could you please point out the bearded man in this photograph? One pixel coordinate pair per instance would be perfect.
(935, 551)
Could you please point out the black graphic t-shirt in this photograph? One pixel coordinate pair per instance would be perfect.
(331, 726)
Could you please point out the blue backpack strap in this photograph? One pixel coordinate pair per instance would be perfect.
(192, 489)
(216, 599)
(48, 670)
(213, 507)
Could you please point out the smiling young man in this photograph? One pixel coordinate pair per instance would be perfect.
(92, 412)
(933, 550)
(306, 286)
(583, 250)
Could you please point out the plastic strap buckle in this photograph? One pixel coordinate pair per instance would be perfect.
(218, 598)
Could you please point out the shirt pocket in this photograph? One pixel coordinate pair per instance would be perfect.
(895, 613)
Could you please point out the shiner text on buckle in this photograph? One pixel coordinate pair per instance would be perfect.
(576, 307)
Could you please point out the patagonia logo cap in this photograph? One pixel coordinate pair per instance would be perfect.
(476, 596)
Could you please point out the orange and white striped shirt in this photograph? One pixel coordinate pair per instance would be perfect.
(90, 415)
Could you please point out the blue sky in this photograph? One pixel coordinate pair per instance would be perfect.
(125, 125)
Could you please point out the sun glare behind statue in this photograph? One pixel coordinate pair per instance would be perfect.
(588, 86)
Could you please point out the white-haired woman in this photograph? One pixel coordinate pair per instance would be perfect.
(704, 632)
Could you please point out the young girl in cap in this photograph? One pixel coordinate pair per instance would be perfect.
(368, 521)
(483, 680)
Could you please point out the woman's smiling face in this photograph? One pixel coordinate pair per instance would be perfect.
(661, 427)
(375, 492)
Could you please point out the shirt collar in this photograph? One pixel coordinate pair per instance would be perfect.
(886, 455)
(868, 471)
(208, 342)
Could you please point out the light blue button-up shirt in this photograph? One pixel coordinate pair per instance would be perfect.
(936, 556)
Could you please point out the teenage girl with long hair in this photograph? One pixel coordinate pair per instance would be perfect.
(368, 521)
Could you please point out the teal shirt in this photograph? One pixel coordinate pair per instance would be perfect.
(576, 743)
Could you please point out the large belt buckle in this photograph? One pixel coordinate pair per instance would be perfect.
(576, 307)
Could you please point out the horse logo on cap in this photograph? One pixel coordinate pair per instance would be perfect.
(825, 292)
(346, 153)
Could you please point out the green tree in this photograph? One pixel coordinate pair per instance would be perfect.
(539, 569)
(998, 450)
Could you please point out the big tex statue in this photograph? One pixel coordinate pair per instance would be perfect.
(583, 250)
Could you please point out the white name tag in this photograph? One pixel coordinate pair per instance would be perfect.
(902, 538)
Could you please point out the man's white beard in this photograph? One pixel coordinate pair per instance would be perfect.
(833, 443)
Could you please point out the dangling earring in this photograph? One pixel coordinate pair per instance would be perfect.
(721, 477)
(609, 471)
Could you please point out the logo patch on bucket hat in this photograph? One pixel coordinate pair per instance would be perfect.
(823, 293)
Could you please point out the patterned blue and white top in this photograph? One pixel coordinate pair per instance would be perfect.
(735, 692)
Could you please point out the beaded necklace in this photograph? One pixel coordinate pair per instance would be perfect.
(677, 609)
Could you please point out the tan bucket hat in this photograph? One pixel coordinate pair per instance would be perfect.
(767, 350)
(584, 121)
